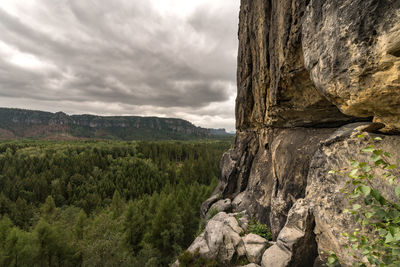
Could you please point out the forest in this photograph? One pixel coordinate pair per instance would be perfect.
(102, 203)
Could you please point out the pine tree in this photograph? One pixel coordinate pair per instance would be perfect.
(46, 243)
(80, 225)
(117, 204)
(134, 226)
(48, 209)
(166, 232)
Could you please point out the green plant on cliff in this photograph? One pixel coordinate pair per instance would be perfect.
(376, 240)
(255, 227)
(212, 213)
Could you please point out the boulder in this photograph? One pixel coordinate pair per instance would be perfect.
(221, 239)
(221, 205)
(238, 203)
(276, 256)
(295, 245)
(255, 246)
(200, 243)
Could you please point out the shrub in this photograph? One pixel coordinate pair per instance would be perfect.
(212, 213)
(255, 227)
(238, 216)
(376, 241)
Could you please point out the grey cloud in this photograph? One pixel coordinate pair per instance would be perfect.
(123, 52)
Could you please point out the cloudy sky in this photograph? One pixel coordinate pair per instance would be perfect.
(169, 58)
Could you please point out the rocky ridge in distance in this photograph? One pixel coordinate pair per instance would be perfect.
(20, 123)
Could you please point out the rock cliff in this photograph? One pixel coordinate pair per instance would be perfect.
(311, 74)
(20, 123)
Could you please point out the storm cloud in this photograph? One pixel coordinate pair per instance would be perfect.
(170, 58)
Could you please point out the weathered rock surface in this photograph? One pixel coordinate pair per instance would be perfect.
(221, 239)
(300, 60)
(276, 256)
(275, 167)
(295, 244)
(255, 246)
(352, 50)
(274, 87)
(224, 239)
(236, 164)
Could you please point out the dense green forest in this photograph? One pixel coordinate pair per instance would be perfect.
(102, 203)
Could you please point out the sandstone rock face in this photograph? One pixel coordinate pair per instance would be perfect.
(274, 166)
(300, 60)
(352, 50)
(236, 164)
(307, 70)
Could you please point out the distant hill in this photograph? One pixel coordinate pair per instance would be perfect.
(20, 123)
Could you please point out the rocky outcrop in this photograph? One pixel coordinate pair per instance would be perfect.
(224, 238)
(221, 239)
(302, 202)
(307, 71)
(276, 256)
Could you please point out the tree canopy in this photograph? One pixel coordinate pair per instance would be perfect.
(86, 203)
